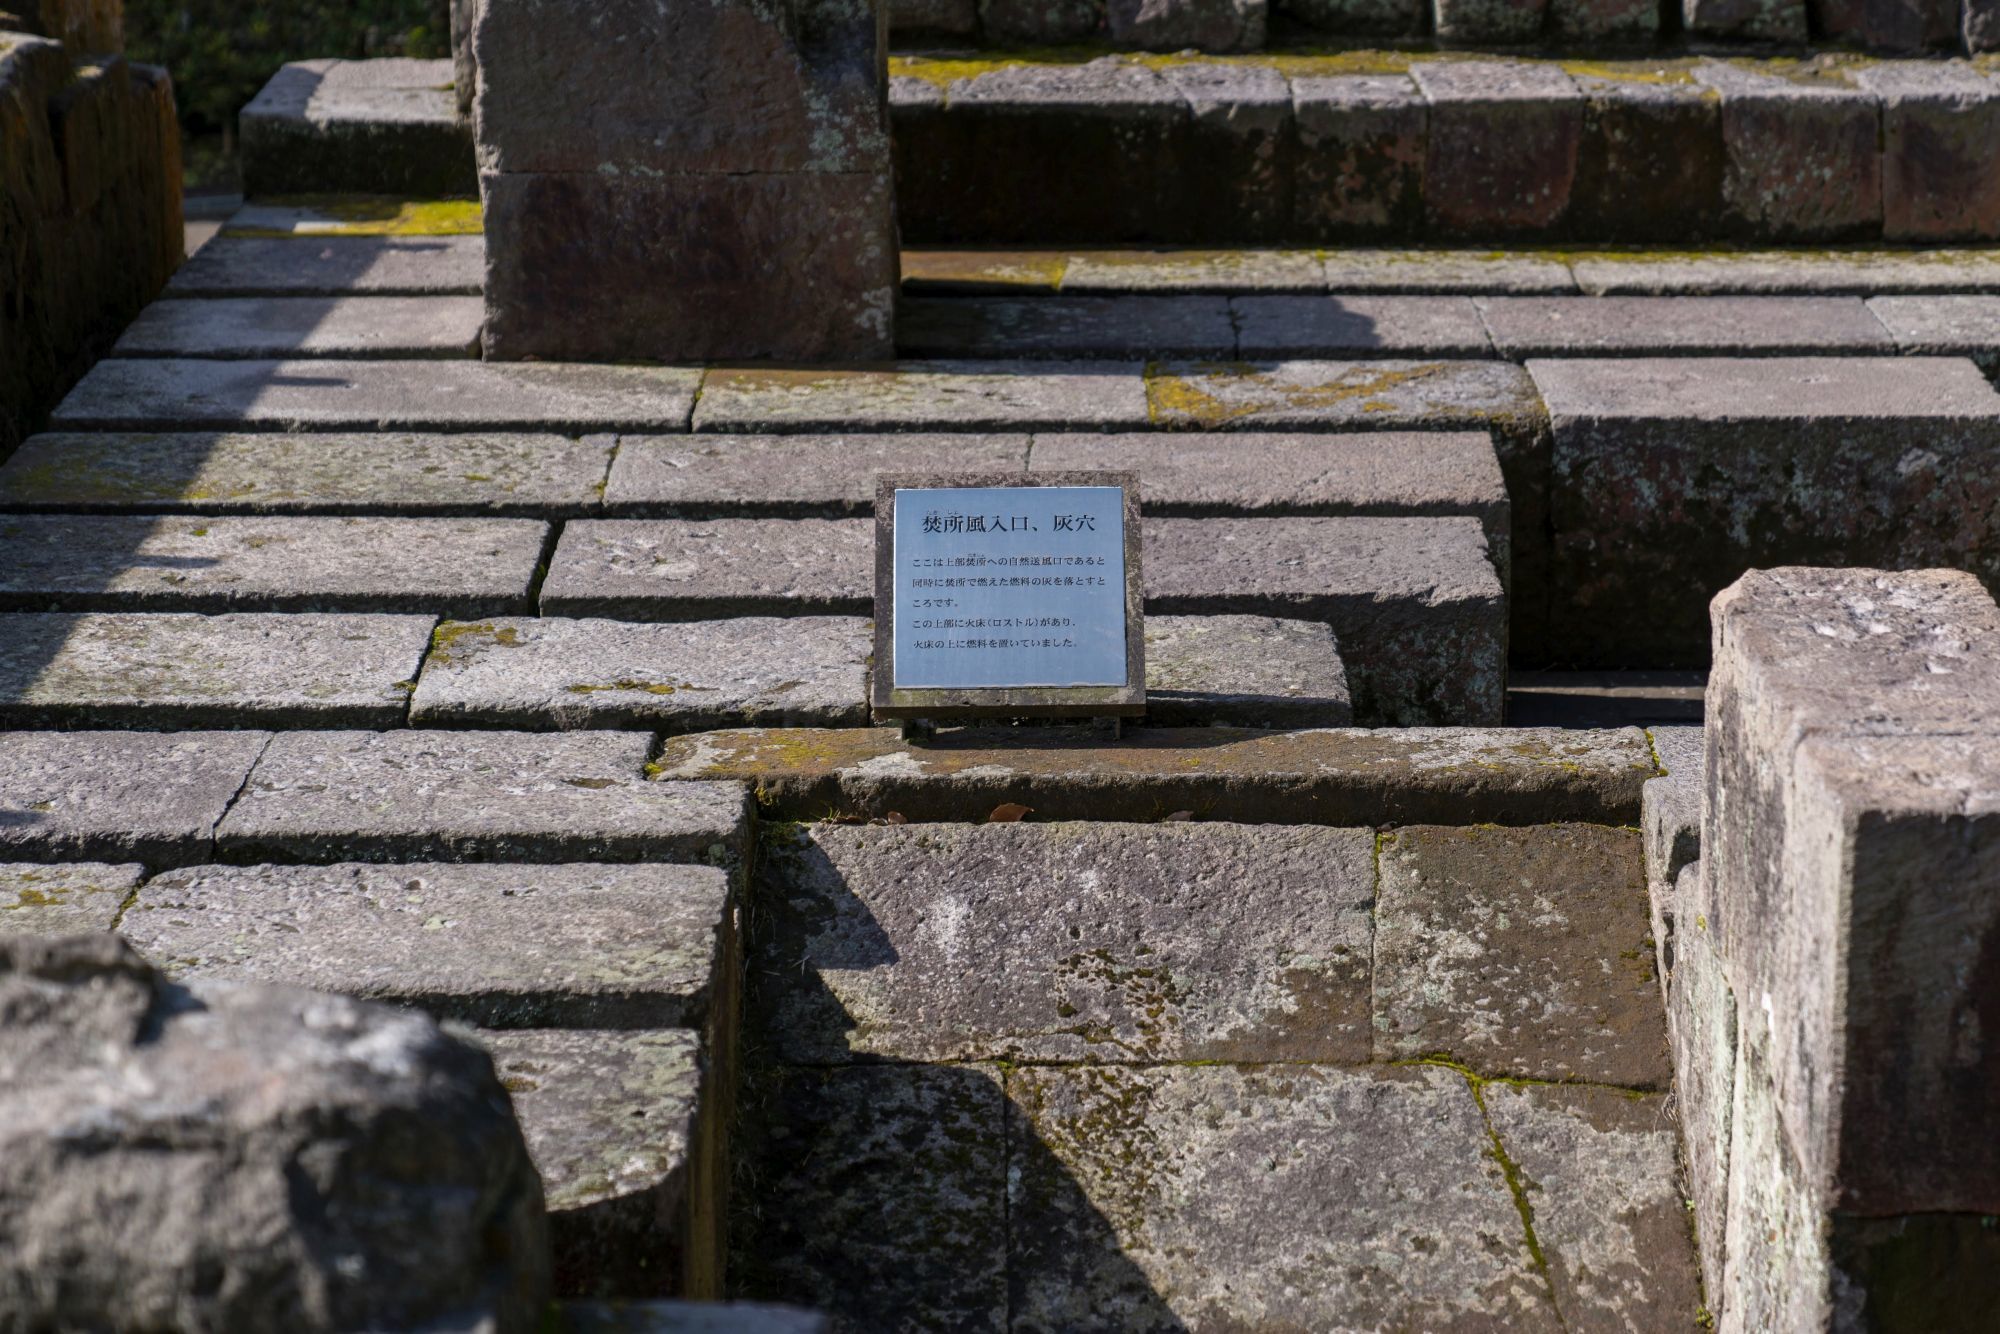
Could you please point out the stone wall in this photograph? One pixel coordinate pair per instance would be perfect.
(90, 203)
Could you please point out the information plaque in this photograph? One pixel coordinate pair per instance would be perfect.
(1013, 595)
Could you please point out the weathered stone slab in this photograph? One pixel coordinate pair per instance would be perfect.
(692, 569)
(925, 396)
(1065, 326)
(1613, 698)
(1681, 473)
(1359, 170)
(1336, 777)
(1358, 326)
(1364, 395)
(126, 563)
(1478, 23)
(830, 476)
(1981, 25)
(242, 266)
(175, 395)
(529, 673)
(1214, 1197)
(151, 797)
(1501, 155)
(932, 271)
(1192, 270)
(883, 1194)
(1671, 815)
(452, 796)
(1940, 145)
(1804, 154)
(1650, 163)
(1445, 271)
(1777, 271)
(1520, 952)
(278, 327)
(1245, 671)
(546, 476)
(64, 899)
(1117, 943)
(97, 670)
(1687, 325)
(1416, 604)
(1235, 177)
(616, 1125)
(1702, 1029)
(1944, 325)
(382, 126)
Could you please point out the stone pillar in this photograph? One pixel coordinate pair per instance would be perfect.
(1846, 913)
(685, 180)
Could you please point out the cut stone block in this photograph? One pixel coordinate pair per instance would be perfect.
(1335, 777)
(882, 1193)
(1245, 671)
(1650, 163)
(1116, 943)
(1943, 326)
(1892, 26)
(278, 327)
(65, 899)
(1679, 474)
(1691, 325)
(1239, 137)
(1478, 23)
(124, 563)
(454, 796)
(1416, 603)
(1752, 20)
(619, 1127)
(1702, 1028)
(1188, 270)
(381, 127)
(174, 395)
(1066, 326)
(244, 266)
(1300, 1197)
(1360, 164)
(831, 476)
(807, 671)
(1363, 395)
(1445, 271)
(1502, 150)
(691, 569)
(1940, 143)
(1775, 271)
(151, 797)
(1520, 952)
(926, 396)
(1358, 326)
(1671, 815)
(97, 670)
(1180, 25)
(504, 946)
(546, 476)
(1804, 154)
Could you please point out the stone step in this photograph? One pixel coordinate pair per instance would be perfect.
(1347, 777)
(386, 126)
(64, 898)
(128, 563)
(249, 328)
(412, 266)
(150, 797)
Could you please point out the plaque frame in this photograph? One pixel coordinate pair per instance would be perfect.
(888, 704)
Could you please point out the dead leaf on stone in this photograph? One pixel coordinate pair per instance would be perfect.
(1180, 817)
(1006, 813)
(894, 817)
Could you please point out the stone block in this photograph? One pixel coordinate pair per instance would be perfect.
(1065, 326)
(1804, 159)
(927, 396)
(151, 797)
(1361, 142)
(689, 266)
(1822, 270)
(471, 473)
(1501, 158)
(1604, 22)
(126, 563)
(456, 796)
(1244, 671)
(1967, 326)
(243, 266)
(1235, 171)
(1681, 473)
(1117, 943)
(694, 569)
(535, 674)
(1722, 326)
(1940, 148)
(1358, 326)
(933, 18)
(1252, 776)
(1748, 20)
(1440, 272)
(1181, 25)
(1477, 23)
(1388, 395)
(373, 127)
(808, 475)
(1040, 22)
(1671, 804)
(1650, 161)
(173, 670)
(1378, 18)
(64, 899)
(1702, 1026)
(1520, 953)
(1891, 26)
(1226, 272)
(276, 328)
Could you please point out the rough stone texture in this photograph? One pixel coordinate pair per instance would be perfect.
(1687, 325)
(1416, 604)
(1816, 270)
(1804, 157)
(1597, 1170)
(150, 797)
(1892, 26)
(354, 327)
(171, 395)
(1066, 326)
(1445, 271)
(806, 671)
(1246, 671)
(1679, 474)
(693, 569)
(1478, 23)
(1332, 777)
(123, 563)
(1650, 163)
(926, 396)
(1359, 170)
(453, 796)
(907, 1166)
(503, 946)
(1701, 1028)
(1671, 804)
(1358, 326)
(1239, 139)
(1227, 271)
(1178, 25)
(1752, 20)
(250, 1157)
(65, 899)
(96, 670)
(617, 1124)
(1940, 145)
(1114, 943)
(1944, 325)
(1356, 395)
(830, 476)
(1604, 22)
(1300, 1197)
(1502, 151)
(380, 127)
(545, 476)
(1519, 952)
(242, 266)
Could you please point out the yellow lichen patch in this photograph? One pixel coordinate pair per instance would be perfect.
(357, 215)
(943, 71)
(1661, 73)
(984, 268)
(453, 633)
(649, 687)
(1213, 393)
(1828, 69)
